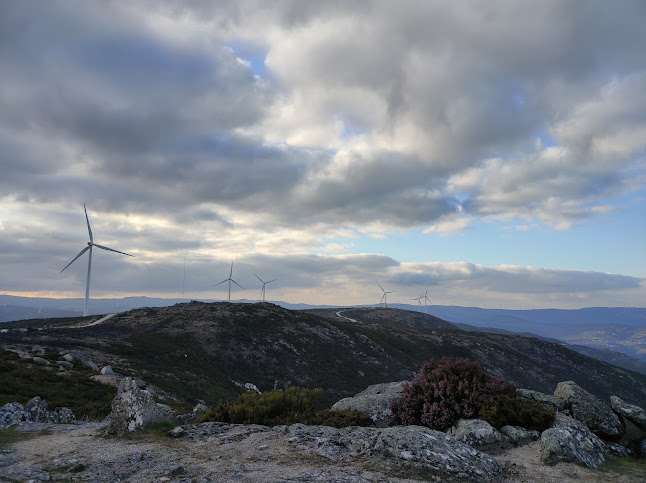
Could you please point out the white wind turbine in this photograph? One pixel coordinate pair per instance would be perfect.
(230, 280)
(262, 290)
(383, 297)
(419, 301)
(89, 246)
(425, 297)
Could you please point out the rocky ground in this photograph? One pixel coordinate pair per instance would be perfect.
(212, 452)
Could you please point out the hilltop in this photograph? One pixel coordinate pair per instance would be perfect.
(198, 351)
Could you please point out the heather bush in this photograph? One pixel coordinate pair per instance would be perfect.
(272, 408)
(507, 409)
(341, 418)
(446, 391)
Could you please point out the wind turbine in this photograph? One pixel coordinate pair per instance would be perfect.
(262, 290)
(89, 246)
(419, 301)
(425, 297)
(230, 280)
(383, 298)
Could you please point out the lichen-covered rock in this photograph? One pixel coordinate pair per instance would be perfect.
(632, 413)
(375, 401)
(134, 408)
(12, 413)
(570, 441)
(550, 402)
(37, 349)
(588, 409)
(38, 410)
(83, 357)
(519, 436)
(61, 415)
(436, 454)
(480, 435)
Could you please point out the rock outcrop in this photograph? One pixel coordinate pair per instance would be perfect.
(433, 453)
(588, 409)
(519, 436)
(134, 408)
(570, 441)
(480, 435)
(632, 413)
(35, 411)
(375, 401)
(550, 402)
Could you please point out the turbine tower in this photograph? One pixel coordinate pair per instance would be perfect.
(426, 299)
(230, 279)
(383, 297)
(262, 290)
(89, 246)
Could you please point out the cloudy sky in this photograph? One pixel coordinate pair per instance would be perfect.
(494, 151)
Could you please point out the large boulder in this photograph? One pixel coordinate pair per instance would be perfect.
(38, 410)
(588, 409)
(12, 413)
(374, 401)
(571, 441)
(433, 453)
(632, 413)
(480, 435)
(134, 408)
(550, 402)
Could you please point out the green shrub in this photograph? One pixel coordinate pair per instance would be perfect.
(512, 410)
(341, 419)
(446, 391)
(272, 408)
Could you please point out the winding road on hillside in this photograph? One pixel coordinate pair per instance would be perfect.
(338, 314)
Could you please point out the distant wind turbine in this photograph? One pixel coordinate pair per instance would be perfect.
(419, 301)
(262, 290)
(426, 299)
(383, 298)
(230, 280)
(89, 246)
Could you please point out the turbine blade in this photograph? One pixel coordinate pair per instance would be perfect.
(89, 230)
(238, 284)
(112, 250)
(259, 278)
(381, 287)
(225, 280)
(272, 280)
(231, 272)
(80, 253)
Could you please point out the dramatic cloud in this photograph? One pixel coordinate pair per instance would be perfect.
(248, 129)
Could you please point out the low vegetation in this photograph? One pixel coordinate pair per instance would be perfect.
(446, 391)
(21, 380)
(278, 407)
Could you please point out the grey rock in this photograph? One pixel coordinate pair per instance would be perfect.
(632, 413)
(480, 435)
(633, 436)
(134, 408)
(436, 454)
(12, 413)
(642, 448)
(61, 415)
(107, 371)
(375, 401)
(37, 409)
(199, 409)
(570, 441)
(551, 402)
(177, 432)
(40, 361)
(36, 349)
(65, 364)
(590, 410)
(84, 358)
(68, 357)
(519, 436)
(113, 380)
